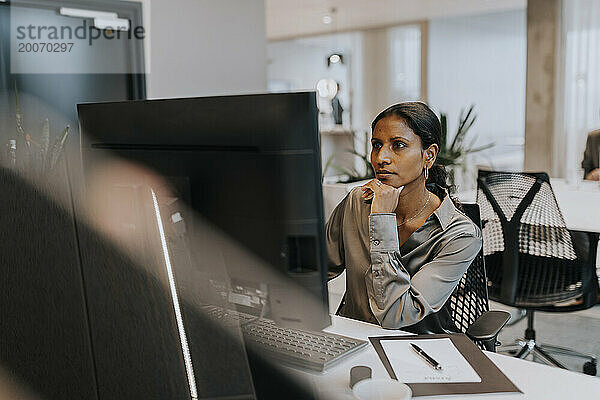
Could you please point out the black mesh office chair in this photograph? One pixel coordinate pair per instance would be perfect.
(469, 302)
(533, 261)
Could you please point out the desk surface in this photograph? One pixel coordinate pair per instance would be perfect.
(578, 203)
(536, 381)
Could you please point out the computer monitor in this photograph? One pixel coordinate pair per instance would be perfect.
(244, 173)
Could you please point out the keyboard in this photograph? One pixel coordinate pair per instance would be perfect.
(316, 351)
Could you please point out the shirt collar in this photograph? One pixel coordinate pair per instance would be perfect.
(445, 211)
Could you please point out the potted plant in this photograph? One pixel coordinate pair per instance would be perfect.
(453, 155)
(34, 159)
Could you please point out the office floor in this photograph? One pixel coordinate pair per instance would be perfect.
(578, 330)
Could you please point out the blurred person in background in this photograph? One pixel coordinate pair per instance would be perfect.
(590, 162)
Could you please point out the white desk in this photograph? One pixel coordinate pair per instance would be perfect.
(579, 203)
(536, 381)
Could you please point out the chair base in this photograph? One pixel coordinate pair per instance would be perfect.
(524, 347)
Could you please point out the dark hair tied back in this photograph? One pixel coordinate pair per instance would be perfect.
(437, 181)
(425, 124)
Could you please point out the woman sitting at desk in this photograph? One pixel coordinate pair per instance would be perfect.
(404, 244)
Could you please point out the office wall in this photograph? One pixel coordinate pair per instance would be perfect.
(382, 67)
(206, 47)
(481, 60)
(390, 68)
(298, 64)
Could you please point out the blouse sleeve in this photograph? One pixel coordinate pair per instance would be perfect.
(395, 298)
(334, 239)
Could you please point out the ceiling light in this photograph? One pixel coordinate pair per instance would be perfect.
(327, 19)
(77, 12)
(335, 58)
(119, 24)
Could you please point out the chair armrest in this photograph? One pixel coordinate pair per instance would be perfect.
(486, 327)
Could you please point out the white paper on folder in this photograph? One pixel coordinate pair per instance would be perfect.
(411, 368)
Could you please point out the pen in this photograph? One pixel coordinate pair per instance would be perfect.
(434, 364)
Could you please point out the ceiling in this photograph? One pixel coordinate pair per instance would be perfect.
(294, 18)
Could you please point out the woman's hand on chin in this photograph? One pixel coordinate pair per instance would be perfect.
(385, 197)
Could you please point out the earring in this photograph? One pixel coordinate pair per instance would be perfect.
(426, 173)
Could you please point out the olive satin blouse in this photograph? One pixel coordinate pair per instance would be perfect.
(400, 287)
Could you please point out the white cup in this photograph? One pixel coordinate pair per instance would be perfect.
(381, 389)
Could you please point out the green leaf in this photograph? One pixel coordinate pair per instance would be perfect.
(444, 126)
(57, 147)
(369, 173)
(327, 165)
(19, 118)
(487, 146)
(445, 160)
(472, 143)
(359, 155)
(458, 149)
(351, 173)
(462, 120)
(45, 141)
(465, 122)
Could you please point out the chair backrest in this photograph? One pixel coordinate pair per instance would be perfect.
(531, 258)
(470, 298)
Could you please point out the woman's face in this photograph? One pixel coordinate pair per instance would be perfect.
(398, 157)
